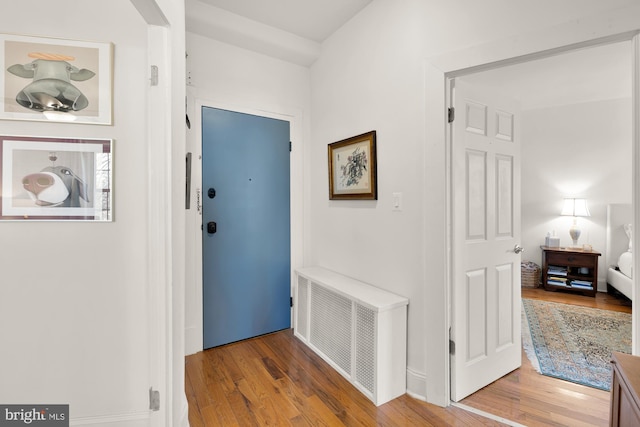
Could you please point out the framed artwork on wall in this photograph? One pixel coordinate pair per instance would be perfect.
(55, 179)
(352, 168)
(61, 80)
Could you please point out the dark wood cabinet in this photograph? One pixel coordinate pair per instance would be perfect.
(573, 270)
(625, 385)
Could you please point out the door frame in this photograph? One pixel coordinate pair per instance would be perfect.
(194, 333)
(438, 74)
(165, 262)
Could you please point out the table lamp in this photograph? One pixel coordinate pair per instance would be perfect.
(575, 208)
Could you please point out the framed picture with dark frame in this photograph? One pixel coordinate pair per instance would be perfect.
(55, 179)
(55, 79)
(352, 168)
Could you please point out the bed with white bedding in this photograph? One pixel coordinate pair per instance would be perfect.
(619, 250)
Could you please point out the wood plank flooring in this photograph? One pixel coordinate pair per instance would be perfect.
(275, 380)
(532, 399)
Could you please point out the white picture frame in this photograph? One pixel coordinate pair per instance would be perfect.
(55, 179)
(70, 80)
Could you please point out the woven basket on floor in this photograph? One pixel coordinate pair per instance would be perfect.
(530, 274)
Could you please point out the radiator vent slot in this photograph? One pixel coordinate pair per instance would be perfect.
(365, 347)
(331, 325)
(359, 329)
(301, 308)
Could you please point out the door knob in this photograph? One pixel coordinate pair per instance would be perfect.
(517, 249)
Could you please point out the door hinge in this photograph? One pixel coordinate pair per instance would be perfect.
(290, 146)
(290, 301)
(452, 344)
(451, 114)
(154, 75)
(154, 399)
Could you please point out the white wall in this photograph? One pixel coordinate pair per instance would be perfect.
(580, 150)
(73, 313)
(371, 75)
(224, 76)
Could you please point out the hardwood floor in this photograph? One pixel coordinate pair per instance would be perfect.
(532, 399)
(602, 300)
(276, 380)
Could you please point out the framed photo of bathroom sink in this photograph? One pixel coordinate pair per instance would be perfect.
(55, 179)
(47, 79)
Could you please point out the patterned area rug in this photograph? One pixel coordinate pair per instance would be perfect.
(574, 343)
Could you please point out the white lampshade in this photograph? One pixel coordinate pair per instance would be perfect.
(575, 207)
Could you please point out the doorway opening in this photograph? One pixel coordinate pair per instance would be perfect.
(246, 226)
(552, 219)
(195, 317)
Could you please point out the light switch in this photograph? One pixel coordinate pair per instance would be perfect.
(397, 201)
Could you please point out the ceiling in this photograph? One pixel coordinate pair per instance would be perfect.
(311, 19)
(584, 75)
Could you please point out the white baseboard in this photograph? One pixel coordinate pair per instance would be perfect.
(192, 340)
(416, 385)
(184, 420)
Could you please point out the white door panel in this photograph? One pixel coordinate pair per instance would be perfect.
(486, 220)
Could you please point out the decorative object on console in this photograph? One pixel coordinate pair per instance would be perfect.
(552, 241)
(628, 230)
(575, 208)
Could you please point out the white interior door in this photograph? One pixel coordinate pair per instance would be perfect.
(486, 232)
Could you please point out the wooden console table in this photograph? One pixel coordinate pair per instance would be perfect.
(573, 270)
(625, 386)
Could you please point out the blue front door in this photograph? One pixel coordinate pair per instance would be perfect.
(246, 226)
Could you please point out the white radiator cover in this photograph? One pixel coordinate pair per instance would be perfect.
(360, 330)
